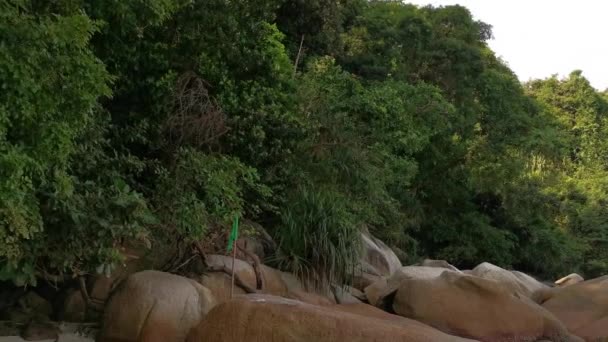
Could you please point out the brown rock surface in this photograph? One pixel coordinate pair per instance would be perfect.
(582, 307)
(154, 306)
(275, 282)
(378, 259)
(515, 282)
(256, 318)
(377, 291)
(474, 307)
(219, 283)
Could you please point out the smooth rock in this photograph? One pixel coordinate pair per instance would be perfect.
(530, 283)
(273, 279)
(220, 283)
(516, 283)
(568, 280)
(477, 308)
(154, 306)
(377, 257)
(582, 307)
(275, 282)
(377, 291)
(256, 318)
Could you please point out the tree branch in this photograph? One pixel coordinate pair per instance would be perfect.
(295, 65)
(257, 268)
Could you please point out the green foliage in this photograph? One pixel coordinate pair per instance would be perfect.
(154, 120)
(320, 239)
(203, 189)
(41, 55)
(580, 113)
(363, 138)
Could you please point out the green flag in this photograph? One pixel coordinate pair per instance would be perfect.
(234, 233)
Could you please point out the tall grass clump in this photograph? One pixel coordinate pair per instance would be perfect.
(319, 239)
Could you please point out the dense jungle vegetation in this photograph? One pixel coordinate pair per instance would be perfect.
(158, 120)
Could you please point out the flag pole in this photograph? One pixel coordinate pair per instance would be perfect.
(232, 280)
(234, 235)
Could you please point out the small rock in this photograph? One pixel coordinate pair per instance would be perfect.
(345, 296)
(358, 294)
(36, 331)
(568, 280)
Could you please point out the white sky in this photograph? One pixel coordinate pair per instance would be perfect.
(539, 38)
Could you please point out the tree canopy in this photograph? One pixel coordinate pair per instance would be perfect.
(158, 121)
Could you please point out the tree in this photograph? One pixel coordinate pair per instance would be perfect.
(580, 112)
(49, 104)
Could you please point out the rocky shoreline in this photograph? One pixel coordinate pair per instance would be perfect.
(429, 301)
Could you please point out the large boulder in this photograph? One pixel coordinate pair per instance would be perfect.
(155, 306)
(378, 261)
(529, 283)
(99, 286)
(377, 291)
(515, 282)
(256, 318)
(476, 308)
(275, 282)
(568, 280)
(582, 307)
(378, 258)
